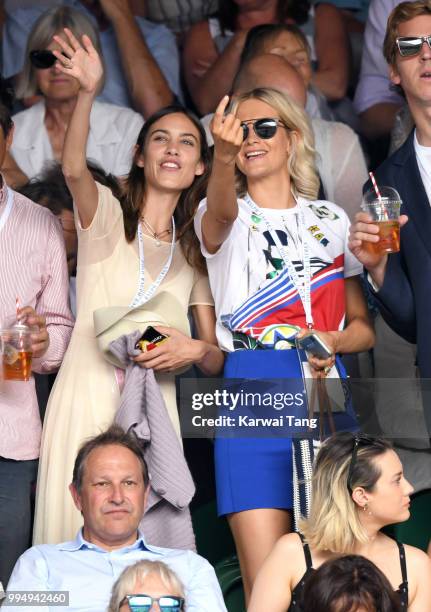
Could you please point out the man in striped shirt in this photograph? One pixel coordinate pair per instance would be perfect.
(33, 270)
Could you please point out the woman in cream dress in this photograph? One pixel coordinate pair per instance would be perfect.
(127, 256)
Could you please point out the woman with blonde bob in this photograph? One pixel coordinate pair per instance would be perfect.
(278, 264)
(144, 583)
(358, 488)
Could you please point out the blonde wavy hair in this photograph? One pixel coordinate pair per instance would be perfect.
(333, 523)
(125, 584)
(301, 160)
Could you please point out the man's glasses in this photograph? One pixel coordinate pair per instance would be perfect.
(143, 603)
(43, 58)
(412, 45)
(263, 128)
(359, 440)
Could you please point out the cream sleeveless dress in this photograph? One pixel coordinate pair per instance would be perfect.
(86, 394)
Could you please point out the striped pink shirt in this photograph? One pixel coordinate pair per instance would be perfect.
(32, 268)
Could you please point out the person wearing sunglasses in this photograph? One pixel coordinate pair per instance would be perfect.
(41, 129)
(142, 60)
(400, 282)
(278, 264)
(339, 157)
(358, 488)
(147, 586)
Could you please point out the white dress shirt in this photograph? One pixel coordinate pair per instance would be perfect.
(113, 134)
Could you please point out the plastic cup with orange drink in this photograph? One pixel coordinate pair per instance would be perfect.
(16, 352)
(383, 207)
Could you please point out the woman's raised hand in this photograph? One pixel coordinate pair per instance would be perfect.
(79, 60)
(227, 134)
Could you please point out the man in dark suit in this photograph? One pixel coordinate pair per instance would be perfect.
(402, 281)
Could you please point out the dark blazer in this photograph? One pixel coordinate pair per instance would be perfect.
(405, 297)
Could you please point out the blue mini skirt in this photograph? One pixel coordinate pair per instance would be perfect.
(255, 472)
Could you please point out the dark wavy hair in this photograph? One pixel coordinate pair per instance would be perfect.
(134, 192)
(296, 10)
(348, 584)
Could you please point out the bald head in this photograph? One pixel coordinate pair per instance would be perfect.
(274, 71)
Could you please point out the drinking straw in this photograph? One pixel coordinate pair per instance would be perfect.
(379, 197)
(18, 308)
(376, 189)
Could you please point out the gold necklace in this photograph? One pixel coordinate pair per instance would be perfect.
(155, 235)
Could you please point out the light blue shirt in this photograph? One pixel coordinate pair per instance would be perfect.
(88, 572)
(160, 41)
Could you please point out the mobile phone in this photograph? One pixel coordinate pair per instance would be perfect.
(315, 345)
(150, 339)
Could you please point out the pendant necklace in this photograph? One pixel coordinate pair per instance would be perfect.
(154, 234)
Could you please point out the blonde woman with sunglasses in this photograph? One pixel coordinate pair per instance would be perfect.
(278, 264)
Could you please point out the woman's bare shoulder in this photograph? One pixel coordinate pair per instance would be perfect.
(417, 558)
(289, 544)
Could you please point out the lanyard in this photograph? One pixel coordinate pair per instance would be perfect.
(143, 296)
(303, 288)
(8, 208)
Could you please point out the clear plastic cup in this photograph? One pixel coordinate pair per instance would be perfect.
(16, 353)
(385, 212)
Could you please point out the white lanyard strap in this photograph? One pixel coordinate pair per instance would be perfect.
(303, 287)
(8, 208)
(143, 296)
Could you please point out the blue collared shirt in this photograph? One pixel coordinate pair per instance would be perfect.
(88, 572)
(160, 41)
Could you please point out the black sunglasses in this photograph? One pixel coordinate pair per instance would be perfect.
(143, 603)
(359, 440)
(43, 58)
(263, 128)
(412, 45)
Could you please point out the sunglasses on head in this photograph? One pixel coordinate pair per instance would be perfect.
(263, 128)
(143, 603)
(43, 58)
(358, 441)
(412, 45)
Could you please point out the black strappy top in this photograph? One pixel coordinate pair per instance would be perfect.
(297, 593)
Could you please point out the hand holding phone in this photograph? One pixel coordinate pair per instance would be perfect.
(313, 344)
(150, 339)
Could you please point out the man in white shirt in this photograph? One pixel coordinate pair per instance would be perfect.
(402, 281)
(110, 488)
